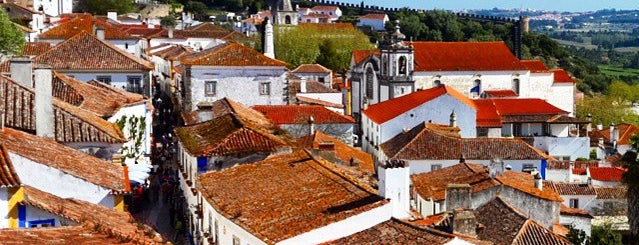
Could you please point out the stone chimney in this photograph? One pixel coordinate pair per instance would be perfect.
(614, 133)
(170, 32)
(458, 196)
(269, 47)
(21, 69)
(539, 183)
(496, 168)
(394, 177)
(303, 85)
(112, 15)
(453, 119)
(44, 102)
(100, 33)
(462, 158)
(311, 125)
(464, 222)
(599, 126)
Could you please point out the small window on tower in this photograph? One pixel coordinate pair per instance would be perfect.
(402, 65)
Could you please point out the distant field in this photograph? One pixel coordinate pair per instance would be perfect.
(627, 49)
(576, 44)
(618, 71)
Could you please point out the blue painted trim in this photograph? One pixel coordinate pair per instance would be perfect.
(544, 164)
(202, 162)
(22, 216)
(51, 222)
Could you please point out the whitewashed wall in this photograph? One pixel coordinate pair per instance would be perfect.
(581, 223)
(575, 147)
(563, 97)
(4, 208)
(377, 25)
(463, 81)
(34, 214)
(131, 46)
(137, 110)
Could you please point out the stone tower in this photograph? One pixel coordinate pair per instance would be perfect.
(283, 12)
(396, 64)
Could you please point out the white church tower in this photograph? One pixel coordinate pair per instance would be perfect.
(283, 12)
(396, 77)
(269, 47)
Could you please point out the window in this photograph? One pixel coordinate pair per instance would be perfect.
(126, 45)
(435, 167)
(287, 20)
(482, 132)
(574, 203)
(402, 65)
(321, 80)
(528, 168)
(134, 84)
(516, 85)
(210, 88)
(236, 240)
(104, 79)
(265, 88)
(369, 82)
(437, 83)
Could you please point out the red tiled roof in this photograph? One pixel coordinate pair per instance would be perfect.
(36, 48)
(312, 86)
(294, 194)
(487, 115)
(606, 173)
(492, 112)
(360, 55)
(561, 76)
(433, 184)
(509, 106)
(119, 223)
(311, 68)
(324, 8)
(227, 134)
(208, 26)
(556, 164)
(430, 141)
(303, 100)
(84, 23)
(343, 152)
(504, 224)
(567, 211)
(611, 192)
(396, 232)
(501, 93)
(222, 107)
(626, 131)
(571, 188)
(73, 124)
(130, 96)
(535, 66)
(173, 53)
(387, 110)
(86, 52)
(64, 158)
(579, 171)
(374, 16)
(230, 54)
(60, 235)
(300, 114)
(464, 56)
(8, 176)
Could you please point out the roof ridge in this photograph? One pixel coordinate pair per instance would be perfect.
(323, 163)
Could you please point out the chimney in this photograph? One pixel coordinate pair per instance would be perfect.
(462, 159)
(99, 33)
(599, 126)
(458, 196)
(394, 176)
(21, 69)
(311, 125)
(539, 184)
(44, 102)
(464, 222)
(453, 119)
(269, 47)
(112, 15)
(496, 168)
(303, 85)
(170, 32)
(612, 132)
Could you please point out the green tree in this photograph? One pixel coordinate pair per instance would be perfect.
(631, 179)
(168, 21)
(198, 9)
(11, 38)
(605, 115)
(576, 236)
(101, 7)
(604, 235)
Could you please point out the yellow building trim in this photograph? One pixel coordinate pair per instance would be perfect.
(118, 202)
(16, 196)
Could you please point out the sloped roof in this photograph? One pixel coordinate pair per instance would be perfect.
(311, 68)
(230, 54)
(84, 51)
(312, 86)
(464, 56)
(64, 158)
(174, 52)
(571, 188)
(59, 235)
(492, 112)
(324, 8)
(225, 106)
(565, 164)
(611, 192)
(84, 23)
(8, 176)
(110, 220)
(535, 66)
(361, 55)
(433, 184)
(281, 186)
(207, 26)
(227, 134)
(626, 131)
(300, 114)
(607, 173)
(342, 151)
(578, 212)
(303, 100)
(387, 110)
(434, 142)
(396, 232)
(36, 48)
(562, 76)
(501, 93)
(73, 124)
(373, 16)
(504, 224)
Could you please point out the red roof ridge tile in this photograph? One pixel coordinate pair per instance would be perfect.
(8, 175)
(250, 57)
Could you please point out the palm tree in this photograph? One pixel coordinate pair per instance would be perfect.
(631, 179)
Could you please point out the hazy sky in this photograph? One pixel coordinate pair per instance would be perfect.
(561, 5)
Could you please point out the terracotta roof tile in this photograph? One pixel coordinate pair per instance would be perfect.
(8, 176)
(72, 54)
(312, 86)
(303, 100)
(501, 93)
(227, 134)
(118, 92)
(396, 232)
(487, 115)
(324, 8)
(72, 123)
(281, 186)
(311, 68)
(464, 56)
(535, 66)
(84, 23)
(64, 158)
(611, 192)
(207, 26)
(606, 173)
(36, 48)
(223, 107)
(374, 16)
(230, 54)
(431, 141)
(561, 76)
(387, 110)
(518, 106)
(556, 164)
(492, 112)
(343, 152)
(361, 55)
(174, 52)
(570, 188)
(433, 184)
(110, 220)
(300, 114)
(76, 234)
(626, 131)
(504, 224)
(567, 211)
(579, 171)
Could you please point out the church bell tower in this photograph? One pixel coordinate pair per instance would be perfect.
(397, 62)
(283, 12)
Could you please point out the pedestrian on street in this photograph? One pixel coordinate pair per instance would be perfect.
(178, 229)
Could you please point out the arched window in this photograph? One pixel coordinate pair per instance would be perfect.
(437, 83)
(370, 75)
(402, 65)
(287, 20)
(515, 85)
